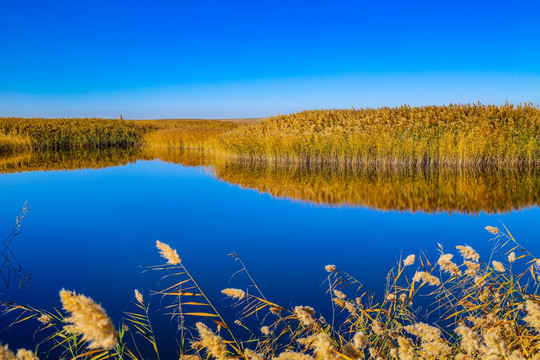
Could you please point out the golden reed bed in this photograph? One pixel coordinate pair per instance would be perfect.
(449, 136)
(480, 306)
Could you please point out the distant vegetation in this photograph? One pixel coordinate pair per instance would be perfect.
(454, 136)
(61, 134)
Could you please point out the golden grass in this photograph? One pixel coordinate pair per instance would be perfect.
(479, 306)
(12, 143)
(191, 134)
(67, 134)
(59, 134)
(445, 136)
(454, 135)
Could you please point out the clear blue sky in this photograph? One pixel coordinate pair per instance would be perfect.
(161, 59)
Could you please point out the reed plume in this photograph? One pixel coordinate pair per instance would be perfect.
(89, 320)
(533, 314)
(214, 344)
(321, 344)
(252, 355)
(22, 354)
(447, 265)
(138, 296)
(292, 355)
(493, 230)
(498, 266)
(168, 253)
(234, 293)
(305, 314)
(426, 278)
(468, 253)
(409, 260)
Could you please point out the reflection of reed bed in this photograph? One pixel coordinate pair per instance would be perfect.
(179, 156)
(482, 306)
(403, 189)
(97, 158)
(433, 189)
(67, 160)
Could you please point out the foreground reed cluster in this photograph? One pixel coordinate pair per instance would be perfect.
(475, 306)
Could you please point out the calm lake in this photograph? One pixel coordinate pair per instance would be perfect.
(95, 218)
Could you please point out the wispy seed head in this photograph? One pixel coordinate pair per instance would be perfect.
(234, 293)
(426, 278)
(168, 253)
(409, 260)
(138, 296)
(492, 229)
(45, 318)
(339, 294)
(305, 314)
(89, 320)
(468, 253)
(498, 266)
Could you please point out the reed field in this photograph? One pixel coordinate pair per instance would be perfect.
(18, 134)
(451, 136)
(458, 304)
(454, 135)
(61, 134)
(192, 134)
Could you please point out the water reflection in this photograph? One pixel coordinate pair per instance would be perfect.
(425, 190)
(432, 190)
(67, 160)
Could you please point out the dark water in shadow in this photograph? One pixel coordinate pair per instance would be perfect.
(95, 218)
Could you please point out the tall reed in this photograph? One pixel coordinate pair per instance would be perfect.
(453, 135)
(479, 306)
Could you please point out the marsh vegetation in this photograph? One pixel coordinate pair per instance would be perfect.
(463, 303)
(476, 306)
(446, 136)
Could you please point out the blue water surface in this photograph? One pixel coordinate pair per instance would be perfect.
(94, 231)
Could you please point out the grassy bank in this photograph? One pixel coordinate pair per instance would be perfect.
(448, 136)
(61, 134)
(443, 135)
(19, 134)
(477, 306)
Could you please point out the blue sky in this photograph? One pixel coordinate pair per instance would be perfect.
(165, 59)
